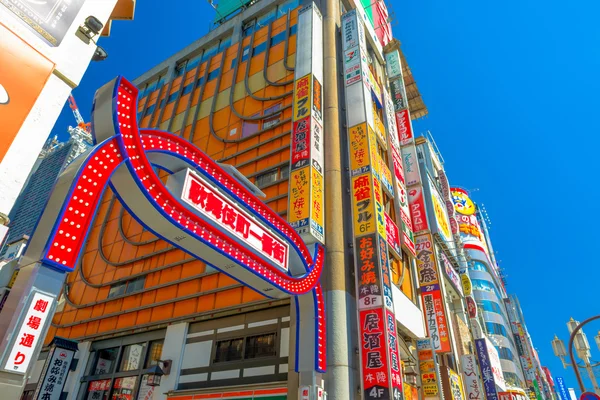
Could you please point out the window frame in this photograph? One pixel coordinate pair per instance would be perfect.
(244, 338)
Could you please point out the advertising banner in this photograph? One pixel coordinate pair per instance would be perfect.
(363, 211)
(373, 358)
(392, 235)
(562, 388)
(411, 165)
(23, 74)
(466, 284)
(470, 377)
(404, 125)
(393, 64)
(491, 369)
(395, 360)
(495, 364)
(400, 102)
(379, 211)
(306, 213)
(386, 274)
(426, 270)
(386, 177)
(451, 384)
(442, 224)
(427, 367)
(418, 213)
(359, 150)
(450, 272)
(368, 273)
(49, 19)
(471, 306)
(54, 374)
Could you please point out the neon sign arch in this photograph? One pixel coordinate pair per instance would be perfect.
(202, 210)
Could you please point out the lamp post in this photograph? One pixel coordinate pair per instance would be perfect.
(582, 348)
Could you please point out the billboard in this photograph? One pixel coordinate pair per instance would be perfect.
(470, 376)
(306, 154)
(23, 74)
(416, 202)
(411, 164)
(49, 19)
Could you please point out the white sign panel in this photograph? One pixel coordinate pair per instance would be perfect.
(495, 364)
(55, 374)
(30, 333)
(216, 207)
(451, 273)
(470, 377)
(393, 64)
(350, 30)
(304, 392)
(411, 165)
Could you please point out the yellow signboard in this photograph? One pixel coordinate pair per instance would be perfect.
(456, 386)
(380, 130)
(363, 211)
(440, 216)
(430, 389)
(379, 210)
(359, 149)
(299, 199)
(13, 279)
(317, 204)
(466, 284)
(373, 151)
(302, 97)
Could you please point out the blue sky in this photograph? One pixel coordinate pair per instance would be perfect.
(510, 87)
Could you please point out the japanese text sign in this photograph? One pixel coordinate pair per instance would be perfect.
(411, 165)
(426, 269)
(395, 361)
(359, 149)
(54, 375)
(363, 205)
(30, 333)
(374, 358)
(392, 235)
(486, 370)
(417, 209)
(369, 282)
(298, 212)
(404, 125)
(225, 213)
(302, 97)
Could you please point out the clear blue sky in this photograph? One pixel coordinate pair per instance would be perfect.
(510, 86)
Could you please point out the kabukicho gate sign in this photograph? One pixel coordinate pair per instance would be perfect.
(202, 210)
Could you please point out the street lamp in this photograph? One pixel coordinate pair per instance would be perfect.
(582, 348)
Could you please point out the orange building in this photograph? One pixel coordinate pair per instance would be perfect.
(135, 299)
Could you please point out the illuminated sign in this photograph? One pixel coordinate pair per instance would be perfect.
(214, 205)
(417, 209)
(462, 203)
(32, 330)
(404, 125)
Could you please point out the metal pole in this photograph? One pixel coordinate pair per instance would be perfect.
(577, 373)
(590, 371)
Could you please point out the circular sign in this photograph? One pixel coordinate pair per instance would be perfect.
(589, 396)
(466, 284)
(462, 203)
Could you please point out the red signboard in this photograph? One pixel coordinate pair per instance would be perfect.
(435, 321)
(395, 362)
(417, 209)
(471, 307)
(392, 236)
(301, 144)
(405, 132)
(374, 358)
(369, 281)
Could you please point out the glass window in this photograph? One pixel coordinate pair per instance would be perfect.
(260, 346)
(284, 172)
(200, 81)
(249, 128)
(248, 28)
(267, 178)
(136, 284)
(229, 350)
(212, 75)
(265, 19)
(287, 6)
(150, 110)
(233, 63)
(172, 97)
(123, 388)
(116, 290)
(154, 353)
(259, 48)
(144, 393)
(280, 37)
(245, 53)
(132, 357)
(505, 353)
(225, 43)
(490, 306)
(187, 89)
(180, 68)
(496, 329)
(162, 103)
(208, 53)
(106, 360)
(193, 62)
(98, 390)
(293, 30)
(274, 120)
(478, 266)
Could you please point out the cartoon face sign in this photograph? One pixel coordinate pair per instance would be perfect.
(462, 203)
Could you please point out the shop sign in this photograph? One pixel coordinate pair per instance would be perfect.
(398, 168)
(208, 201)
(363, 211)
(317, 201)
(562, 388)
(350, 30)
(393, 238)
(471, 306)
(30, 333)
(379, 207)
(359, 149)
(373, 152)
(393, 64)
(386, 273)
(99, 386)
(145, 392)
(380, 130)
(352, 66)
(304, 392)
(390, 120)
(431, 320)
(411, 165)
(316, 149)
(462, 203)
(430, 390)
(398, 94)
(404, 125)
(495, 364)
(299, 200)
(50, 20)
(442, 322)
(317, 103)
(424, 351)
(369, 286)
(386, 176)
(456, 386)
(375, 88)
(471, 378)
(56, 369)
(13, 278)
(428, 277)
(301, 144)
(466, 284)
(490, 367)
(302, 97)
(416, 204)
(450, 273)
(442, 225)
(374, 359)
(408, 238)
(395, 361)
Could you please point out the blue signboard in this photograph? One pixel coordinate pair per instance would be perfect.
(486, 370)
(562, 389)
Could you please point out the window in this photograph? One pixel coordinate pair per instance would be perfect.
(284, 172)
(132, 357)
(229, 350)
(293, 30)
(505, 353)
(259, 48)
(233, 63)
(287, 6)
(172, 97)
(267, 178)
(180, 68)
(106, 360)
(200, 81)
(162, 103)
(208, 53)
(123, 388)
(193, 62)
(260, 346)
(402, 275)
(478, 266)
(490, 306)
(248, 28)
(265, 19)
(136, 284)
(249, 128)
(224, 44)
(154, 353)
(480, 284)
(274, 120)
(280, 37)
(187, 89)
(212, 75)
(150, 110)
(117, 290)
(496, 329)
(245, 53)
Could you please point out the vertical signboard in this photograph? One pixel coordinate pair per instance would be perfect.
(376, 233)
(485, 364)
(31, 331)
(427, 366)
(471, 378)
(404, 124)
(306, 211)
(562, 388)
(55, 371)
